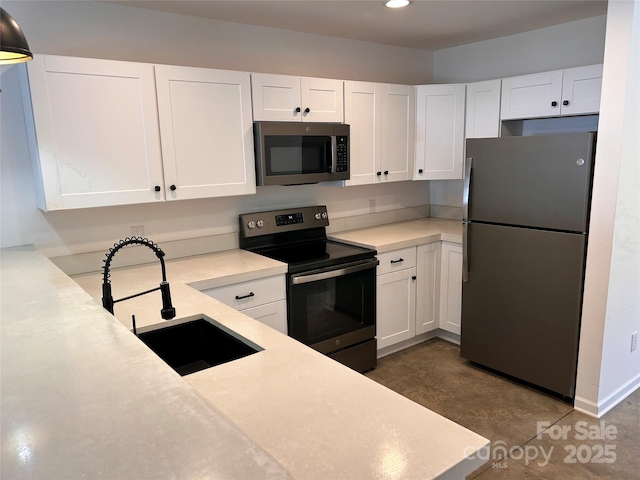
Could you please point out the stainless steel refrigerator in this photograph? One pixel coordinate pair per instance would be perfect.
(526, 202)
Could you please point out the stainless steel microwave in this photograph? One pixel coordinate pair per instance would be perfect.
(290, 153)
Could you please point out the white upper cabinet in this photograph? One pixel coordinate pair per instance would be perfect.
(581, 89)
(363, 113)
(398, 124)
(574, 91)
(483, 109)
(207, 132)
(286, 98)
(440, 118)
(381, 119)
(97, 132)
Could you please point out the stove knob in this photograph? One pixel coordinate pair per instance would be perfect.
(317, 216)
(251, 224)
(324, 215)
(260, 224)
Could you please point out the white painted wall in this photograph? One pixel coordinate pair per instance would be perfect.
(100, 30)
(93, 29)
(571, 44)
(607, 369)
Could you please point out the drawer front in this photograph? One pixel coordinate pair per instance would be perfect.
(250, 294)
(397, 260)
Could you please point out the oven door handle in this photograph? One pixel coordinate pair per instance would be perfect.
(324, 274)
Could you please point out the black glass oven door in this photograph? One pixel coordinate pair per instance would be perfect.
(333, 308)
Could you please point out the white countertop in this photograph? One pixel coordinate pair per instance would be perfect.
(83, 398)
(314, 416)
(385, 238)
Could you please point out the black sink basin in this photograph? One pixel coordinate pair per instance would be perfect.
(195, 345)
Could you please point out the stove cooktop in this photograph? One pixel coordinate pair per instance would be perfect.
(312, 255)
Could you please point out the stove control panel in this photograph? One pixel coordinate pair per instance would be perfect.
(277, 221)
(290, 219)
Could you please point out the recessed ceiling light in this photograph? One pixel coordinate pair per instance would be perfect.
(397, 3)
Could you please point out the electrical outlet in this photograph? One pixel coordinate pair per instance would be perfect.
(137, 231)
(634, 341)
(372, 205)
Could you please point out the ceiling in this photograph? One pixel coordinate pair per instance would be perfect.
(425, 24)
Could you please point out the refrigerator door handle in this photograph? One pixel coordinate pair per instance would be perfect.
(465, 219)
(465, 256)
(465, 191)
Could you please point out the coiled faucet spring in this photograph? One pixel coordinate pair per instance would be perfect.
(167, 311)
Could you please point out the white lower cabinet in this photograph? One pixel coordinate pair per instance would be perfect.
(427, 287)
(396, 296)
(263, 299)
(419, 291)
(450, 287)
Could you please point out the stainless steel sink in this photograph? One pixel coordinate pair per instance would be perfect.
(189, 346)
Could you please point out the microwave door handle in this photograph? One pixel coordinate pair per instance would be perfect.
(334, 153)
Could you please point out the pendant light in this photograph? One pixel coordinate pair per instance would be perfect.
(13, 44)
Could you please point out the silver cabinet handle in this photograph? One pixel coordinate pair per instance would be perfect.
(324, 274)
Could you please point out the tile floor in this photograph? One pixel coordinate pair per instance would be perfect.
(506, 412)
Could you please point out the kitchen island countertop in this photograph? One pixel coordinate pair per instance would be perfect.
(311, 415)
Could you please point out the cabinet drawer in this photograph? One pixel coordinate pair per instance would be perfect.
(397, 260)
(250, 294)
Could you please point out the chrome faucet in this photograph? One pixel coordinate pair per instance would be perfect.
(167, 312)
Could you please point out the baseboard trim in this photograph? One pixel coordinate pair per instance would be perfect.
(423, 337)
(597, 410)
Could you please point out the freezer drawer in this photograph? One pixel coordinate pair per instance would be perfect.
(521, 304)
(542, 181)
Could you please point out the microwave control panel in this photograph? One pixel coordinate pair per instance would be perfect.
(342, 154)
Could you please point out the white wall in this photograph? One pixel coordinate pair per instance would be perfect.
(100, 30)
(607, 369)
(561, 46)
(108, 31)
(571, 44)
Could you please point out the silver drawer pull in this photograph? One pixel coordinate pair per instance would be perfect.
(245, 296)
(400, 260)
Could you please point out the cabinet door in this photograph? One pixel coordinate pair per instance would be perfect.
(97, 133)
(324, 98)
(273, 315)
(427, 288)
(439, 132)
(363, 113)
(398, 117)
(276, 98)
(581, 89)
(483, 109)
(207, 132)
(396, 307)
(450, 287)
(531, 96)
